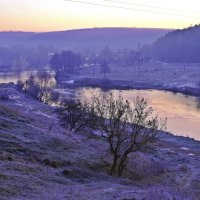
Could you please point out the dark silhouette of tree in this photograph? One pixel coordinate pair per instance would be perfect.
(126, 128)
(106, 55)
(56, 62)
(72, 114)
(104, 68)
(67, 61)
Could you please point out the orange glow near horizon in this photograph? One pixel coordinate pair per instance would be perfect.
(51, 15)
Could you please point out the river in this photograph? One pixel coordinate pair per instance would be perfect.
(8, 77)
(182, 112)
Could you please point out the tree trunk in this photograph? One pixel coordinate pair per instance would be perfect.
(122, 165)
(114, 165)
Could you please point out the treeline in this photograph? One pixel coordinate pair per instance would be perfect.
(70, 61)
(178, 46)
(67, 61)
(19, 58)
(120, 56)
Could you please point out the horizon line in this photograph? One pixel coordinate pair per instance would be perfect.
(88, 28)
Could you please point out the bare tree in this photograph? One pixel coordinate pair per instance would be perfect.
(44, 82)
(39, 86)
(67, 61)
(29, 86)
(127, 127)
(104, 68)
(72, 114)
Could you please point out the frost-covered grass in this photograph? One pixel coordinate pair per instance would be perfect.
(177, 75)
(36, 163)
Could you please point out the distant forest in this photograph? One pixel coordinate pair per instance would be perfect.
(178, 46)
(104, 46)
(26, 50)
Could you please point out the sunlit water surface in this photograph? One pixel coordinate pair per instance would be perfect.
(14, 76)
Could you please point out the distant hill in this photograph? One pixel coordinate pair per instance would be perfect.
(91, 39)
(13, 38)
(179, 46)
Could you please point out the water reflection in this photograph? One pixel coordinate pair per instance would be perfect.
(183, 112)
(198, 104)
(14, 76)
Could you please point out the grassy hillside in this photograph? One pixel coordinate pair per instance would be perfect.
(39, 163)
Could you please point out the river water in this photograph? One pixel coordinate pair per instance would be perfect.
(182, 112)
(14, 76)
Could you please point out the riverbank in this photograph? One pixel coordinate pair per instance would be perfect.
(41, 160)
(107, 84)
(174, 77)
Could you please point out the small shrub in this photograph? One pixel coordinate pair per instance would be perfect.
(9, 112)
(50, 163)
(5, 124)
(142, 167)
(4, 95)
(196, 183)
(3, 177)
(72, 114)
(33, 91)
(20, 85)
(55, 96)
(6, 156)
(56, 163)
(184, 168)
(78, 173)
(56, 142)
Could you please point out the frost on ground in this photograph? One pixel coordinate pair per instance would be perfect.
(178, 77)
(37, 162)
(183, 74)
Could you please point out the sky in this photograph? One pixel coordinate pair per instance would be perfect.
(54, 15)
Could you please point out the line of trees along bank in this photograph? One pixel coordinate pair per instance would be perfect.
(67, 61)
